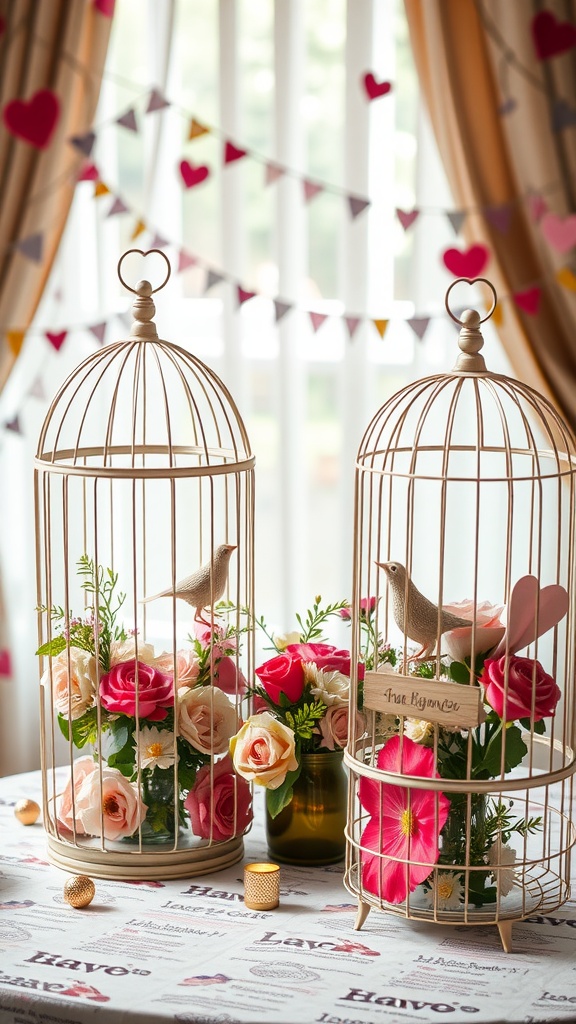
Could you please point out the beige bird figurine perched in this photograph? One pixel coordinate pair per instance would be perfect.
(421, 623)
(205, 586)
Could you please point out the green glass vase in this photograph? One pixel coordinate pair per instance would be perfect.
(310, 830)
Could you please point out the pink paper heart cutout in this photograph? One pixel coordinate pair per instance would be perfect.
(560, 232)
(105, 7)
(34, 120)
(469, 263)
(521, 628)
(552, 37)
(193, 175)
(529, 300)
(374, 88)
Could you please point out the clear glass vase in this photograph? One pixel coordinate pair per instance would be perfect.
(310, 830)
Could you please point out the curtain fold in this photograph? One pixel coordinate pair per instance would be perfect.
(496, 111)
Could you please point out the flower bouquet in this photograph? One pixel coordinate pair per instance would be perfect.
(157, 727)
(457, 845)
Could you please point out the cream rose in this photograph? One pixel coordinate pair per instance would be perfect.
(263, 751)
(73, 691)
(281, 640)
(125, 650)
(334, 726)
(489, 629)
(186, 667)
(420, 731)
(81, 768)
(206, 718)
(329, 687)
(117, 803)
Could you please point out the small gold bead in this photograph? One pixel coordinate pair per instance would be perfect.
(79, 891)
(27, 811)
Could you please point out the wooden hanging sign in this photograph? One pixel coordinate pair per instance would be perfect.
(451, 704)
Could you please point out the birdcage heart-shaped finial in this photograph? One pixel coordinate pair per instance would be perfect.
(143, 306)
(470, 339)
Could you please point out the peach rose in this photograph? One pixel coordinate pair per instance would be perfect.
(186, 666)
(81, 768)
(72, 693)
(125, 650)
(334, 726)
(489, 630)
(118, 801)
(206, 718)
(263, 751)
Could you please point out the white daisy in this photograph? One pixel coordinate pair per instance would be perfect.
(329, 687)
(446, 892)
(500, 856)
(155, 748)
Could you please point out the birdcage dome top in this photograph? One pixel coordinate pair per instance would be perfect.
(146, 406)
(468, 424)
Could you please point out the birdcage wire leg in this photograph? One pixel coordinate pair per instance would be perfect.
(363, 911)
(505, 931)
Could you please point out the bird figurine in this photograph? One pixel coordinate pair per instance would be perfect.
(421, 622)
(205, 586)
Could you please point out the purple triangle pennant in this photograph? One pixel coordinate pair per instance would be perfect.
(407, 217)
(419, 325)
(156, 101)
(272, 173)
(158, 242)
(456, 219)
(352, 323)
(212, 278)
(499, 216)
(13, 425)
(357, 205)
(128, 120)
(317, 320)
(32, 247)
(280, 309)
(311, 189)
(118, 206)
(185, 260)
(36, 389)
(99, 330)
(83, 143)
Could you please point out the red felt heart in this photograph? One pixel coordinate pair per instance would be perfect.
(193, 175)
(35, 120)
(528, 300)
(552, 37)
(469, 263)
(374, 88)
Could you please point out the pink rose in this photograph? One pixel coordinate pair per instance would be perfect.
(229, 678)
(334, 726)
(367, 608)
(116, 804)
(186, 667)
(81, 768)
(206, 718)
(283, 674)
(325, 657)
(118, 689)
(489, 629)
(220, 803)
(528, 684)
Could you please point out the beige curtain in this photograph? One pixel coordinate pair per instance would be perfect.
(51, 59)
(502, 119)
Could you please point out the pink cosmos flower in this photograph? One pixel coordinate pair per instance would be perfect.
(219, 803)
(118, 689)
(405, 824)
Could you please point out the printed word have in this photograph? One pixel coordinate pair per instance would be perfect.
(360, 995)
(57, 960)
(213, 894)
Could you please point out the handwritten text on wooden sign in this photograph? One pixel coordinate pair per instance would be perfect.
(450, 704)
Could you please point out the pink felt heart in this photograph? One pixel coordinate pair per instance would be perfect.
(193, 175)
(529, 300)
(232, 152)
(374, 88)
(34, 120)
(561, 233)
(526, 602)
(105, 7)
(469, 263)
(552, 37)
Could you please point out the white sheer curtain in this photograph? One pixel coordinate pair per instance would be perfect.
(281, 78)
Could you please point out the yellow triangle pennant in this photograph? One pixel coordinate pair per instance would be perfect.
(100, 189)
(197, 129)
(567, 278)
(139, 227)
(381, 326)
(498, 315)
(15, 340)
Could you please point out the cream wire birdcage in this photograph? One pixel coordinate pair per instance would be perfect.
(143, 472)
(465, 488)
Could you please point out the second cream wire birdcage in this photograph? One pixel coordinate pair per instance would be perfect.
(466, 484)
(144, 468)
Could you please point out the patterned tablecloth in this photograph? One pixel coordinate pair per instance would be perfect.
(190, 951)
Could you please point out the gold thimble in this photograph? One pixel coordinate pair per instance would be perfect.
(261, 886)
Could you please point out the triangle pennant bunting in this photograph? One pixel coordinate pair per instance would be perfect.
(456, 219)
(567, 278)
(232, 153)
(56, 339)
(98, 330)
(128, 120)
(185, 261)
(118, 206)
(317, 320)
(280, 309)
(381, 326)
(357, 205)
(352, 324)
(243, 296)
(499, 217)
(158, 242)
(498, 314)
(89, 172)
(36, 389)
(83, 143)
(5, 663)
(156, 101)
(139, 228)
(272, 173)
(407, 217)
(212, 278)
(419, 325)
(15, 341)
(13, 425)
(32, 247)
(311, 189)
(197, 129)
(100, 189)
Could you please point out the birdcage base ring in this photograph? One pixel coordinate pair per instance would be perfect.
(153, 865)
